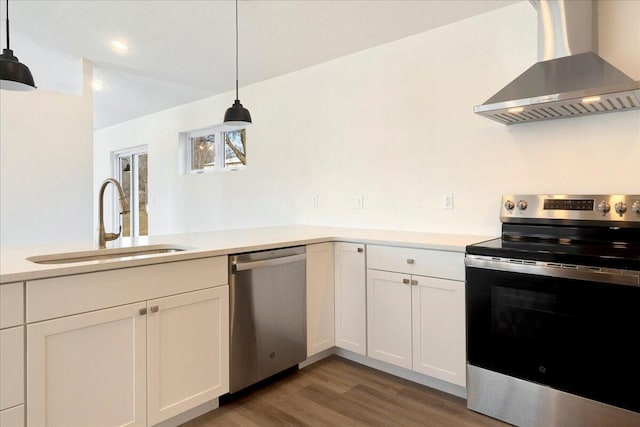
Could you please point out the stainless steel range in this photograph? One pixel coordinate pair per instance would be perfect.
(553, 311)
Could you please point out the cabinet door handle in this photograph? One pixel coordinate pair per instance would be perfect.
(414, 282)
(405, 281)
(142, 311)
(360, 250)
(154, 309)
(410, 261)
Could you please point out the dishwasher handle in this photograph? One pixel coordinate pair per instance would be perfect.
(250, 265)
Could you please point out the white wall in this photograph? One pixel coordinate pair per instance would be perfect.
(395, 124)
(46, 142)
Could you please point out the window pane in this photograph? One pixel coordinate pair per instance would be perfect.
(202, 152)
(235, 148)
(143, 229)
(125, 182)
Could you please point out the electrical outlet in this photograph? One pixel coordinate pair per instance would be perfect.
(314, 201)
(447, 201)
(359, 201)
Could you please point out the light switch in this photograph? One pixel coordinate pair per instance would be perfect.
(314, 201)
(447, 201)
(359, 201)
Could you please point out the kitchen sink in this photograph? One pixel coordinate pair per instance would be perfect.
(106, 254)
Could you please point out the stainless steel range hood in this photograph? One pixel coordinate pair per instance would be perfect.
(571, 79)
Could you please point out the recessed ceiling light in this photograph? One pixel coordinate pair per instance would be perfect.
(98, 85)
(119, 45)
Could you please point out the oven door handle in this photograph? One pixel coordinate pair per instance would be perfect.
(549, 269)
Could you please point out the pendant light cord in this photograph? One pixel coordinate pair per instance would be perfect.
(237, 96)
(8, 24)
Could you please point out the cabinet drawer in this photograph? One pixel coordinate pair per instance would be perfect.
(13, 417)
(63, 296)
(11, 305)
(11, 367)
(424, 262)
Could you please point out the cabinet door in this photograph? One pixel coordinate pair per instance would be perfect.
(11, 305)
(320, 298)
(351, 317)
(13, 417)
(389, 317)
(11, 367)
(88, 369)
(188, 351)
(439, 347)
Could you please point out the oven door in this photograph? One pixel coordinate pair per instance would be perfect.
(574, 330)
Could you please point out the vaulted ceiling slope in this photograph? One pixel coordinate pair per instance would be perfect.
(181, 51)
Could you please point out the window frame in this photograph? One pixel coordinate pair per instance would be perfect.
(134, 218)
(219, 160)
(216, 153)
(223, 153)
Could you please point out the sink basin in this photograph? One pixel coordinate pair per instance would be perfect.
(137, 252)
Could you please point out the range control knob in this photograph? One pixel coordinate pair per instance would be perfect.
(522, 205)
(509, 205)
(635, 208)
(620, 207)
(604, 207)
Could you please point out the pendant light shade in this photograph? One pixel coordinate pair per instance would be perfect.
(237, 115)
(14, 75)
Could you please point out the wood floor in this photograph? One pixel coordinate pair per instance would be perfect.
(338, 392)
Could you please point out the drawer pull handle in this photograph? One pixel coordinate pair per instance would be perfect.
(405, 281)
(360, 250)
(154, 309)
(410, 261)
(142, 311)
(414, 282)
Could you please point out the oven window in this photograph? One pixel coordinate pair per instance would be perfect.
(522, 315)
(572, 335)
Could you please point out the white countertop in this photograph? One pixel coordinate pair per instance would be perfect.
(14, 267)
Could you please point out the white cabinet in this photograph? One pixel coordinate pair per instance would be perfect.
(88, 369)
(439, 347)
(417, 321)
(187, 351)
(12, 355)
(11, 305)
(351, 292)
(320, 298)
(389, 317)
(422, 262)
(12, 417)
(135, 364)
(11, 367)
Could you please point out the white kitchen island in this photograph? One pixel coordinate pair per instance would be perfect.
(144, 340)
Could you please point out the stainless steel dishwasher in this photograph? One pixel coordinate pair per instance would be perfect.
(267, 314)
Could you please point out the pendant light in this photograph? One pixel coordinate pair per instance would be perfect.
(237, 115)
(14, 75)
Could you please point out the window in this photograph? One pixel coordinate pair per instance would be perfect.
(130, 169)
(215, 149)
(235, 148)
(203, 152)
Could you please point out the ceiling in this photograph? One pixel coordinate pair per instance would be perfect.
(181, 51)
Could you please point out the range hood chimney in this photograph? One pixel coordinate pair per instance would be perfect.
(570, 79)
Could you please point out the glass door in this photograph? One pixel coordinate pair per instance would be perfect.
(131, 170)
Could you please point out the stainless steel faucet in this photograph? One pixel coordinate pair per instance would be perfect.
(103, 237)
